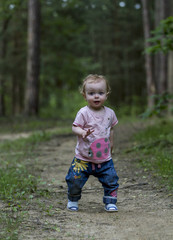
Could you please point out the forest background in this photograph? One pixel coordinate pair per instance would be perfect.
(48, 47)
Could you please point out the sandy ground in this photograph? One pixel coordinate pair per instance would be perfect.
(145, 209)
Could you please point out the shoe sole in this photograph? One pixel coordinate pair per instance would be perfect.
(72, 209)
(111, 210)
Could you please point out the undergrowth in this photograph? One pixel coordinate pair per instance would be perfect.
(154, 145)
(21, 124)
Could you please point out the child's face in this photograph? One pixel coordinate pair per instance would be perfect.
(95, 94)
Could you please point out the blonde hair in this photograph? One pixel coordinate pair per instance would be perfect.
(94, 78)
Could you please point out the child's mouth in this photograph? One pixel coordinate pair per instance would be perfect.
(96, 102)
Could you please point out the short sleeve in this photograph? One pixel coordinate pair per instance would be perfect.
(79, 120)
(114, 119)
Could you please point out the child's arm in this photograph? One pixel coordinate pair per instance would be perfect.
(112, 139)
(80, 132)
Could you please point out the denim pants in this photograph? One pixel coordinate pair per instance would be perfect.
(79, 173)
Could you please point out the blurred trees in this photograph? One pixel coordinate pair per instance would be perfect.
(162, 38)
(162, 42)
(148, 59)
(33, 59)
(76, 38)
(13, 60)
(4, 19)
(160, 60)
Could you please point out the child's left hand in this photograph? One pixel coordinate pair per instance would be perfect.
(87, 133)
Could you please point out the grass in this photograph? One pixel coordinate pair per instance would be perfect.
(21, 124)
(155, 148)
(9, 225)
(17, 180)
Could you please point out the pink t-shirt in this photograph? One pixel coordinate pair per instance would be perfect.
(96, 147)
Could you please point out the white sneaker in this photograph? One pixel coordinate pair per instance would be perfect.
(72, 206)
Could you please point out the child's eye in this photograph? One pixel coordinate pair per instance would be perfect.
(91, 93)
(101, 93)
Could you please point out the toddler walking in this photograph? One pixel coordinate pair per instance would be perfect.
(94, 127)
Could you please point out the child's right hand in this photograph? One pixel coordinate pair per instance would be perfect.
(87, 133)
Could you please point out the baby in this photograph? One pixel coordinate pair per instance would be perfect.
(94, 127)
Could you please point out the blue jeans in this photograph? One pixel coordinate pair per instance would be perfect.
(79, 173)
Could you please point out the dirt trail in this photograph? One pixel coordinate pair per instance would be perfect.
(145, 211)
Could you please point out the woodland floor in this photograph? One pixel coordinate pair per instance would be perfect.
(145, 209)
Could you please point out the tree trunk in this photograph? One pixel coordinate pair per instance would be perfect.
(33, 59)
(15, 78)
(2, 57)
(15, 95)
(170, 63)
(148, 59)
(170, 80)
(161, 60)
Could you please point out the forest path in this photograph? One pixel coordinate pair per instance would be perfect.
(145, 212)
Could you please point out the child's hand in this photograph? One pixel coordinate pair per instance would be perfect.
(87, 133)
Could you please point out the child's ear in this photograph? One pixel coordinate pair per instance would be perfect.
(84, 95)
(107, 94)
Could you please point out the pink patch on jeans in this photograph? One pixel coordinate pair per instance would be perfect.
(99, 149)
(114, 193)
